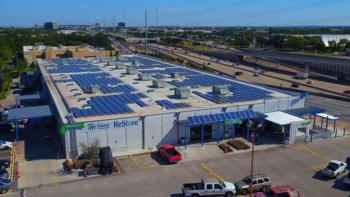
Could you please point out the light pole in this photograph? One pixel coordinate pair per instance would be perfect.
(252, 158)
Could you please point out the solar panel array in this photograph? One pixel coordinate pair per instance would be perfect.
(149, 62)
(170, 105)
(241, 93)
(73, 68)
(201, 80)
(125, 88)
(220, 117)
(108, 105)
(86, 81)
(159, 76)
(168, 71)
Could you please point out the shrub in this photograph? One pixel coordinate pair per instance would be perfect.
(238, 144)
(225, 148)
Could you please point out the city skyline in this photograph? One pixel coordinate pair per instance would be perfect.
(179, 13)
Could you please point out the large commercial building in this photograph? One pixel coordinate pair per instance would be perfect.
(51, 26)
(134, 103)
(31, 53)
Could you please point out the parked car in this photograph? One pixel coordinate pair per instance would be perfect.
(4, 173)
(15, 85)
(295, 85)
(310, 82)
(4, 163)
(347, 92)
(169, 152)
(348, 160)
(280, 191)
(211, 187)
(334, 168)
(5, 185)
(4, 145)
(347, 180)
(238, 73)
(260, 182)
(6, 127)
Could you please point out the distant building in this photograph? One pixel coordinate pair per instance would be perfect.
(51, 26)
(121, 25)
(31, 53)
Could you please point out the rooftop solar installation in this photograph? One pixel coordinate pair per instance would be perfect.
(201, 80)
(86, 81)
(168, 71)
(73, 68)
(170, 105)
(149, 62)
(240, 93)
(108, 105)
(220, 117)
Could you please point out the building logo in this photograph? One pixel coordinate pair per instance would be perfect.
(98, 126)
(91, 126)
(126, 123)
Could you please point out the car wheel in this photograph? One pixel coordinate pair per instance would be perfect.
(3, 167)
(6, 148)
(244, 192)
(264, 189)
(195, 195)
(3, 191)
(229, 194)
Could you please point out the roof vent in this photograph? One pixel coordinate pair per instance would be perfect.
(135, 63)
(182, 92)
(95, 89)
(144, 77)
(158, 83)
(131, 71)
(175, 75)
(119, 66)
(220, 89)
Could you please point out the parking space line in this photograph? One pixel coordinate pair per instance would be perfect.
(312, 152)
(133, 159)
(211, 172)
(25, 178)
(55, 177)
(318, 167)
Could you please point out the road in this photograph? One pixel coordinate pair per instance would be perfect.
(268, 78)
(296, 165)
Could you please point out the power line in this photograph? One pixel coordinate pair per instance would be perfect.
(313, 4)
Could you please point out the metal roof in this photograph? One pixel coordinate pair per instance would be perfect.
(29, 113)
(305, 111)
(282, 118)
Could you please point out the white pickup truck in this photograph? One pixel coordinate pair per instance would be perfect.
(210, 187)
(334, 168)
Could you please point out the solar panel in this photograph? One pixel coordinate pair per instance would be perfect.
(170, 105)
(220, 117)
(112, 104)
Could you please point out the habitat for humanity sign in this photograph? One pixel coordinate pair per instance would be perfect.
(94, 126)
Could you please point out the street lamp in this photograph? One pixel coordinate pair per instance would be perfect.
(252, 158)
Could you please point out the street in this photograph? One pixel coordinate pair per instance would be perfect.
(296, 165)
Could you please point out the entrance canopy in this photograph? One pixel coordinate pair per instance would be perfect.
(327, 116)
(43, 111)
(220, 117)
(282, 118)
(305, 111)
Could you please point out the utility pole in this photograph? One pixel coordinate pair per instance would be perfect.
(146, 36)
(252, 165)
(157, 31)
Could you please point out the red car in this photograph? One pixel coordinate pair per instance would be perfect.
(347, 92)
(280, 191)
(169, 152)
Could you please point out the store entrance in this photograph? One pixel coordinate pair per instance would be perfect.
(196, 132)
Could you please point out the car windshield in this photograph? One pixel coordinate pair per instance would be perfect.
(246, 180)
(222, 183)
(332, 167)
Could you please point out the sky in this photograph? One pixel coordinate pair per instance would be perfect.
(26, 13)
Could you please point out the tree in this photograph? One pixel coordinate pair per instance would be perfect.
(6, 53)
(91, 150)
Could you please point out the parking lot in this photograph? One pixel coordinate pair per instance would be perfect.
(296, 165)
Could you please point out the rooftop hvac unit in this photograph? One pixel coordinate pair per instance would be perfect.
(144, 77)
(95, 89)
(182, 92)
(119, 66)
(131, 71)
(135, 63)
(220, 89)
(158, 83)
(175, 75)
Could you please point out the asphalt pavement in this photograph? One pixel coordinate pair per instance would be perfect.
(297, 165)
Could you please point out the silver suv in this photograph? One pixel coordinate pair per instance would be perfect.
(260, 182)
